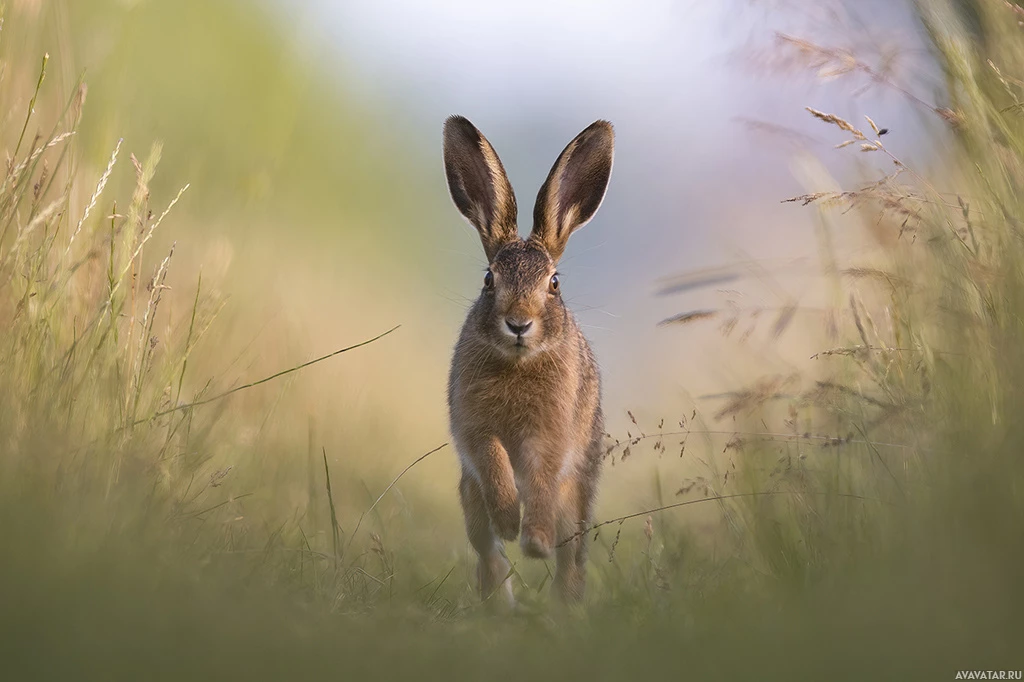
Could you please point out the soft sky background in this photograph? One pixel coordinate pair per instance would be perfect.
(693, 186)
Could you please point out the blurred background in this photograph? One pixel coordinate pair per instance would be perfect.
(310, 134)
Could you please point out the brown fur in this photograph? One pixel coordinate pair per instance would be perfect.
(525, 407)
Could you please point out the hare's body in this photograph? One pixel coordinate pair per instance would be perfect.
(524, 389)
(529, 430)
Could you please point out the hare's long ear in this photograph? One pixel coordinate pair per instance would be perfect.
(478, 184)
(575, 187)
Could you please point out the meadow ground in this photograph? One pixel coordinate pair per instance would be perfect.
(166, 514)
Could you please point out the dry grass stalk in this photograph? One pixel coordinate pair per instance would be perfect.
(100, 186)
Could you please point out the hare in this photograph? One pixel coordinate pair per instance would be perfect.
(524, 392)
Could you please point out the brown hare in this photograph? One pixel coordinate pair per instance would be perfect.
(524, 393)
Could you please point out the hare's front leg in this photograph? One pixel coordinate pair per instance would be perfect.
(543, 472)
(493, 567)
(488, 460)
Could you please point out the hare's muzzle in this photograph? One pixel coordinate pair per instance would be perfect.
(517, 327)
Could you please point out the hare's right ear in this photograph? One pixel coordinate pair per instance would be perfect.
(575, 187)
(478, 184)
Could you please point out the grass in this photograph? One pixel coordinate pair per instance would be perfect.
(864, 518)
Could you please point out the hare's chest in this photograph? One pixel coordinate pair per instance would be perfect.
(513, 408)
(515, 402)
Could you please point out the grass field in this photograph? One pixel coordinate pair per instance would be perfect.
(166, 514)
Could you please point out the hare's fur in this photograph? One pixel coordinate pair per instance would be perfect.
(524, 391)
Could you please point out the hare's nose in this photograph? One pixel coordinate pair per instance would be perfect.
(518, 328)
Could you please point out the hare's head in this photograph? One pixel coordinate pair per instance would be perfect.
(520, 310)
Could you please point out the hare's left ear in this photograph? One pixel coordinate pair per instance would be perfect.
(575, 187)
(478, 184)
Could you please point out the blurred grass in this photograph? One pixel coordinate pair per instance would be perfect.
(863, 519)
(246, 106)
(300, 212)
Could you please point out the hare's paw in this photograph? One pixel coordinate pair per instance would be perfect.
(505, 519)
(506, 522)
(537, 542)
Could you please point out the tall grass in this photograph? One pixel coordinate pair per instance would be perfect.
(105, 450)
(863, 519)
(89, 352)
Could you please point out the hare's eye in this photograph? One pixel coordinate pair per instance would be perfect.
(489, 279)
(553, 285)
